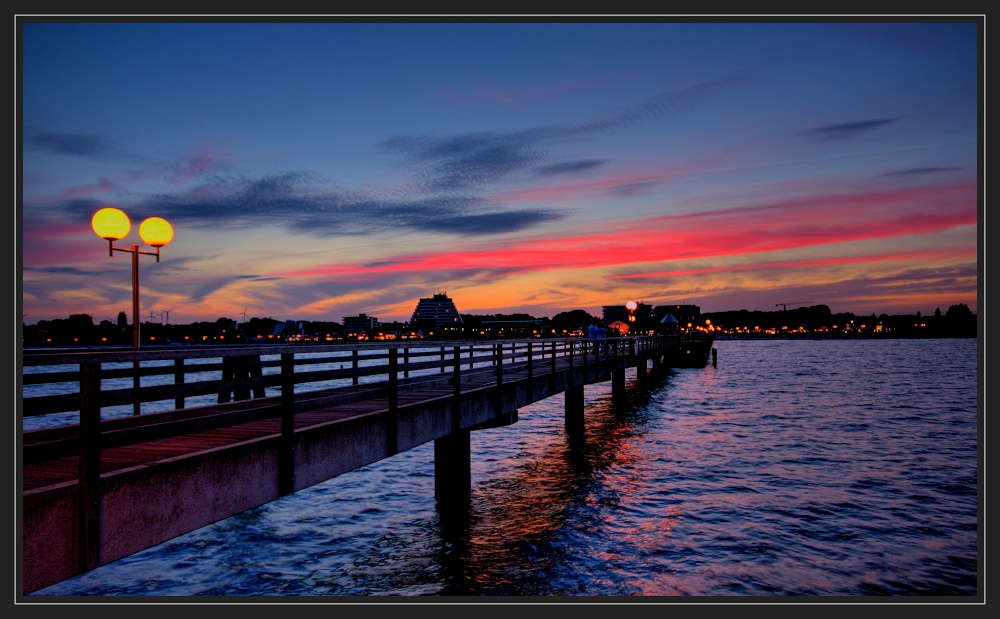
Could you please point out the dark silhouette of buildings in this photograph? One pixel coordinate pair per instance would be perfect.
(438, 310)
(362, 323)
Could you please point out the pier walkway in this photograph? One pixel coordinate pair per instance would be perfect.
(102, 489)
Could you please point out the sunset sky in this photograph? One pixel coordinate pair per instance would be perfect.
(313, 171)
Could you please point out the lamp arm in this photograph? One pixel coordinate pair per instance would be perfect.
(112, 249)
(152, 253)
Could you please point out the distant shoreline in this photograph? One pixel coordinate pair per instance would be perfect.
(839, 336)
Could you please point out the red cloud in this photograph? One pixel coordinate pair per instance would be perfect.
(818, 262)
(785, 224)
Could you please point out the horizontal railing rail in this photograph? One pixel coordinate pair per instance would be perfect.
(242, 368)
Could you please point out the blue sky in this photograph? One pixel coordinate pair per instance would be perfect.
(314, 170)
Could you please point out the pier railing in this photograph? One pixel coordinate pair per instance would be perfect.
(378, 371)
(242, 369)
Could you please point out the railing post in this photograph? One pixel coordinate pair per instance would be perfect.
(472, 352)
(499, 361)
(553, 361)
(572, 379)
(392, 423)
(354, 366)
(256, 372)
(136, 404)
(617, 370)
(406, 362)
(531, 374)
(442, 360)
(286, 446)
(89, 481)
(179, 380)
(456, 406)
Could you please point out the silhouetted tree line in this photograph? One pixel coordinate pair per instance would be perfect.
(958, 321)
(80, 330)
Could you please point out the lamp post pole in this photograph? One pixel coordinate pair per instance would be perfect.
(135, 296)
(135, 251)
(112, 225)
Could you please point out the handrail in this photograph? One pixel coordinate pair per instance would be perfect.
(34, 357)
(242, 367)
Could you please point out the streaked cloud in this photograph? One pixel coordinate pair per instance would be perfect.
(82, 145)
(844, 130)
(476, 160)
(917, 171)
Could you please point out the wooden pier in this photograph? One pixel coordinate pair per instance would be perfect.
(99, 490)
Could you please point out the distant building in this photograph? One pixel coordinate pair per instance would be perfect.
(289, 327)
(683, 313)
(615, 312)
(439, 309)
(643, 313)
(362, 323)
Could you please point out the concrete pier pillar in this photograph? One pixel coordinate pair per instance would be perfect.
(618, 383)
(574, 410)
(452, 469)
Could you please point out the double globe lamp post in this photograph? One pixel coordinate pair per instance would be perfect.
(631, 306)
(112, 225)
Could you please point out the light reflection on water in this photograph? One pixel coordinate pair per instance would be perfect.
(802, 468)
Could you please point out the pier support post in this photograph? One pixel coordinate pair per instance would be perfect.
(574, 410)
(617, 382)
(452, 469)
(640, 371)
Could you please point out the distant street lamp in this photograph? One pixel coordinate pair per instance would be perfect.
(113, 225)
(631, 306)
